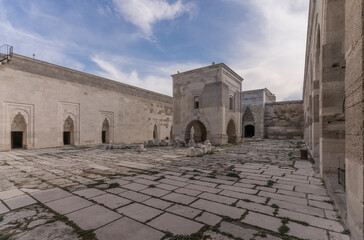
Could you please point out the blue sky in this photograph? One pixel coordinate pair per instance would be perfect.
(143, 42)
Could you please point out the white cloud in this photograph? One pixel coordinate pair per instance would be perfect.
(157, 78)
(145, 13)
(274, 55)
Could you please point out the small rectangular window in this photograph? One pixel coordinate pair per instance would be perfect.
(196, 102)
(231, 103)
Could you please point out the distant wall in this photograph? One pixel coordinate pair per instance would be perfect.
(284, 120)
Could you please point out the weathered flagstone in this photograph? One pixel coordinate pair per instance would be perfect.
(157, 203)
(155, 192)
(298, 208)
(318, 204)
(285, 198)
(50, 195)
(135, 186)
(135, 196)
(237, 231)
(262, 221)
(238, 189)
(10, 194)
(18, 202)
(306, 232)
(218, 208)
(68, 204)
(209, 218)
(175, 224)
(217, 198)
(126, 228)
(3, 208)
(111, 201)
(139, 212)
(184, 211)
(256, 207)
(179, 198)
(89, 192)
(187, 191)
(203, 188)
(93, 217)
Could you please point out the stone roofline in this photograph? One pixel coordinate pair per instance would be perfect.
(223, 65)
(35, 66)
(286, 102)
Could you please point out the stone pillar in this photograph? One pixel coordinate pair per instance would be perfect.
(332, 89)
(354, 104)
(315, 120)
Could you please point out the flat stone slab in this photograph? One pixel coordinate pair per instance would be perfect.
(155, 192)
(187, 191)
(135, 196)
(10, 194)
(175, 224)
(68, 204)
(237, 231)
(262, 221)
(157, 203)
(179, 198)
(135, 186)
(209, 218)
(18, 202)
(50, 195)
(217, 198)
(306, 232)
(238, 195)
(218, 208)
(89, 192)
(93, 217)
(126, 228)
(139, 212)
(111, 201)
(184, 211)
(256, 207)
(3, 208)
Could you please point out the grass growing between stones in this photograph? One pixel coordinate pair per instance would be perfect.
(234, 175)
(98, 182)
(160, 178)
(113, 185)
(151, 186)
(1, 218)
(4, 236)
(269, 183)
(284, 228)
(346, 232)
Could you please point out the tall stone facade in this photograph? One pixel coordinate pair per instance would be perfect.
(45, 105)
(207, 100)
(333, 98)
(253, 111)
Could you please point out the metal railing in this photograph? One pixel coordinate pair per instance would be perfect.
(5, 52)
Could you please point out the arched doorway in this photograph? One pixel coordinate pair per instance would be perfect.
(249, 131)
(19, 132)
(231, 132)
(105, 133)
(155, 132)
(68, 132)
(199, 131)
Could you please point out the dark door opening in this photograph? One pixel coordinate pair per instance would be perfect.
(249, 131)
(66, 138)
(103, 136)
(16, 139)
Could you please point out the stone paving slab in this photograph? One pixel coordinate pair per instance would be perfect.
(18, 202)
(238, 189)
(68, 204)
(298, 208)
(167, 187)
(157, 203)
(318, 204)
(306, 232)
(203, 188)
(139, 212)
(338, 236)
(218, 208)
(10, 194)
(175, 224)
(111, 201)
(262, 221)
(285, 198)
(238, 195)
(183, 211)
(89, 192)
(3, 208)
(179, 198)
(314, 221)
(256, 207)
(128, 229)
(217, 198)
(187, 191)
(174, 182)
(50, 195)
(155, 192)
(135, 186)
(237, 231)
(209, 218)
(93, 217)
(135, 196)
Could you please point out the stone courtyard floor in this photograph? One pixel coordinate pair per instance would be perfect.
(254, 190)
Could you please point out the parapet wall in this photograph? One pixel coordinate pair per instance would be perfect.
(284, 120)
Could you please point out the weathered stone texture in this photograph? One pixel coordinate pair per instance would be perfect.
(284, 120)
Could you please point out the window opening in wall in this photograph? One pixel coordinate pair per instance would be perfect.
(196, 102)
(231, 103)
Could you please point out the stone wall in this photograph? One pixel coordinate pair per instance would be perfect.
(46, 95)
(284, 120)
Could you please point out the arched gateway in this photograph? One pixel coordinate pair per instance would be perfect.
(199, 131)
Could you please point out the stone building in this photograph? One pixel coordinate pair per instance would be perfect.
(253, 111)
(45, 105)
(208, 100)
(333, 102)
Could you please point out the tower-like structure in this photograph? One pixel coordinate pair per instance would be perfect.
(208, 100)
